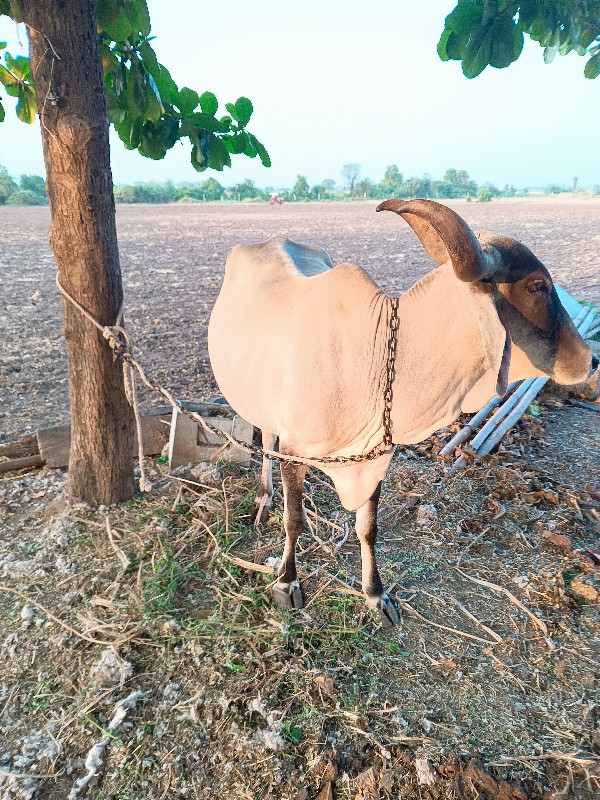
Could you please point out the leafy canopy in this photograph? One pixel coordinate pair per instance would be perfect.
(479, 33)
(148, 110)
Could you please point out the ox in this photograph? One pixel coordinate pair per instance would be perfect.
(299, 348)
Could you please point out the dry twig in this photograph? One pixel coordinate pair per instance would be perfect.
(494, 587)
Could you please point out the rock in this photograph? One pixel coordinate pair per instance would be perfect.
(425, 775)
(584, 591)
(111, 669)
(426, 513)
(207, 473)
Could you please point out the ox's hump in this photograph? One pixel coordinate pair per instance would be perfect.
(308, 261)
(280, 255)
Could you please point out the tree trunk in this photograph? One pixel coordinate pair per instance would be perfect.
(67, 71)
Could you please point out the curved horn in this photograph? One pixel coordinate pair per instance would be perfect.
(446, 237)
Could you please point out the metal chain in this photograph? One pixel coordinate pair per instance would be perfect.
(391, 374)
(121, 347)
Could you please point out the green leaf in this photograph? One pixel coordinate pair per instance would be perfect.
(455, 46)
(261, 150)
(441, 48)
(19, 66)
(244, 109)
(134, 96)
(116, 115)
(110, 62)
(206, 122)
(140, 17)
(477, 53)
(154, 109)
(187, 101)
(152, 147)
(209, 103)
(167, 87)
(218, 154)
(4, 9)
(26, 105)
(551, 48)
(120, 30)
(7, 78)
(2, 44)
(518, 42)
(592, 68)
(2, 113)
(200, 150)
(231, 108)
(149, 59)
(107, 13)
(130, 131)
(503, 45)
(464, 17)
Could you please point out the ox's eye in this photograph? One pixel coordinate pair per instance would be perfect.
(537, 286)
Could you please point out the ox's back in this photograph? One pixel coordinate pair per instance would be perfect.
(283, 316)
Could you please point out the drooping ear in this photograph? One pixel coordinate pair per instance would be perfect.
(446, 237)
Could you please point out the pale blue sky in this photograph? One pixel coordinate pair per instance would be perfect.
(334, 82)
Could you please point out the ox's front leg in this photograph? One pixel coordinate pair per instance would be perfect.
(263, 502)
(287, 594)
(366, 529)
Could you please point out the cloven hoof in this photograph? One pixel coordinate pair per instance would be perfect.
(260, 511)
(287, 596)
(386, 610)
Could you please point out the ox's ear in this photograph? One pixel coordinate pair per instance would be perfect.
(446, 237)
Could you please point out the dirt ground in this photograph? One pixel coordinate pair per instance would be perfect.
(138, 644)
(173, 259)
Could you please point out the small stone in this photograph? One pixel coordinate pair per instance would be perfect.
(425, 775)
(426, 513)
(584, 590)
(28, 612)
(207, 473)
(110, 669)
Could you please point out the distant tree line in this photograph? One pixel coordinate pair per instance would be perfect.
(30, 191)
(455, 184)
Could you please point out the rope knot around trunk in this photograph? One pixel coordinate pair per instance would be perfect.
(118, 340)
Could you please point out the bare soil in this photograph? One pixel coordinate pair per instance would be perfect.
(487, 689)
(173, 259)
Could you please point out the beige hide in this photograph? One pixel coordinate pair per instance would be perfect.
(305, 357)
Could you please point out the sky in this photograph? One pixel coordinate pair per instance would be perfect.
(337, 82)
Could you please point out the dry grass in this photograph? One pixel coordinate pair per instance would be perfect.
(493, 671)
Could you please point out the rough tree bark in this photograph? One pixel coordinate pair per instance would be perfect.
(67, 70)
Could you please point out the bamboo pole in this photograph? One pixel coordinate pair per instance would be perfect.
(472, 425)
(515, 415)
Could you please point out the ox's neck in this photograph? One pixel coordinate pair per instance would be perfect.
(441, 358)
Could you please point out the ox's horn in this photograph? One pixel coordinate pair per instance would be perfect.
(446, 237)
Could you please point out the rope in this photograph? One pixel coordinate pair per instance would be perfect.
(119, 343)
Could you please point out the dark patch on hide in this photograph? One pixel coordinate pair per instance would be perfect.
(307, 260)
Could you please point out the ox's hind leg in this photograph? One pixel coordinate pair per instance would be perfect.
(264, 499)
(287, 594)
(366, 529)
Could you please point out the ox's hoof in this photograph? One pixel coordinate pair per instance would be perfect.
(385, 609)
(287, 596)
(259, 513)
